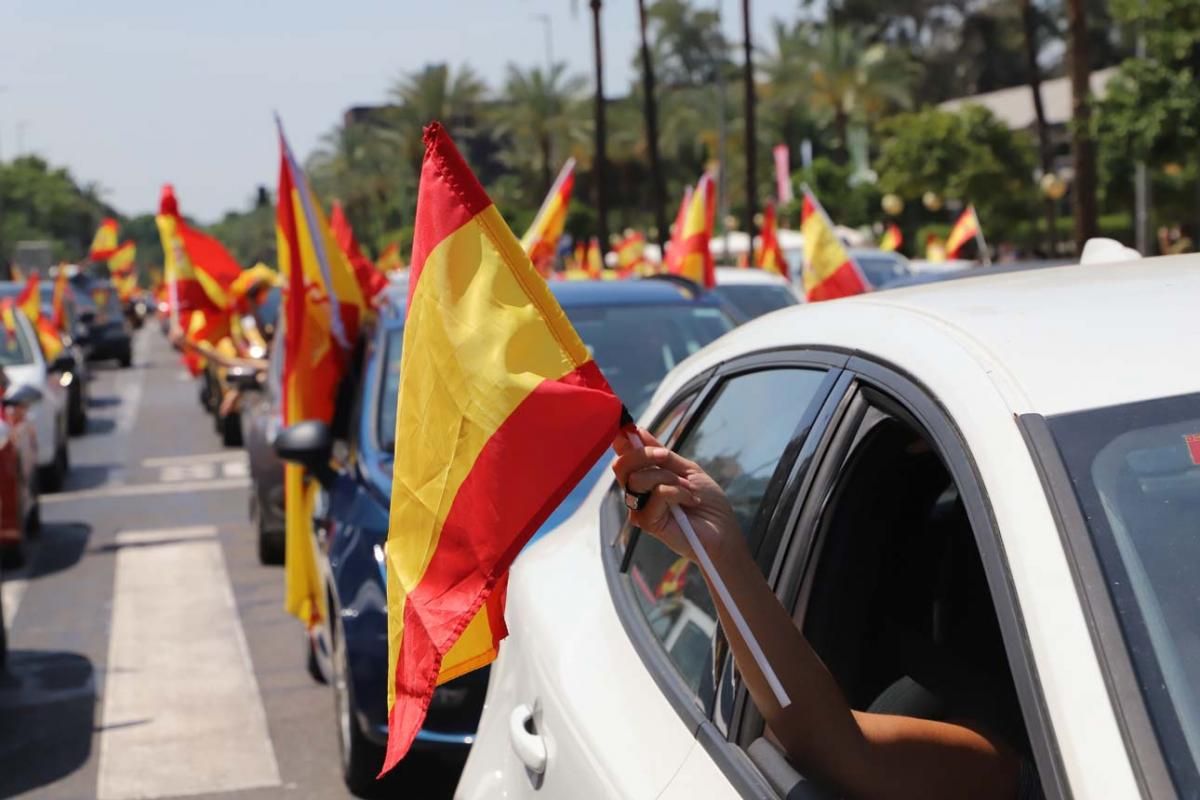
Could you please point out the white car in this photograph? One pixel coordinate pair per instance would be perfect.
(980, 499)
(750, 293)
(25, 364)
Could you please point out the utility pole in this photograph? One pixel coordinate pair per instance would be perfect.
(548, 30)
(650, 109)
(599, 165)
(1141, 181)
(751, 149)
(1083, 151)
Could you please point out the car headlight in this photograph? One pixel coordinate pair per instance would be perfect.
(65, 379)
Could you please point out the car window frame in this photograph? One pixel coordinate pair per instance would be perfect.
(898, 393)
(1120, 679)
(699, 392)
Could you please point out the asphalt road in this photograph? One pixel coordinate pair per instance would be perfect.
(150, 654)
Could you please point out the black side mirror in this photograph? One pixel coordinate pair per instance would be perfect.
(65, 362)
(23, 396)
(244, 378)
(309, 444)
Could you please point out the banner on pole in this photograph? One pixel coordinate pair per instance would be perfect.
(783, 174)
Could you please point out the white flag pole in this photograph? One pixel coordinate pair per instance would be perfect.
(739, 622)
(979, 240)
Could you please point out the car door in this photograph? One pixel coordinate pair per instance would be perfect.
(889, 555)
(755, 429)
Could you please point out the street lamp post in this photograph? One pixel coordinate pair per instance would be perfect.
(751, 150)
(650, 109)
(599, 166)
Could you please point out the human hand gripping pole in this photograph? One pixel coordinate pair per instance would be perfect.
(714, 577)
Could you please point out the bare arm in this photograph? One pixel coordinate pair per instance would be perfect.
(857, 753)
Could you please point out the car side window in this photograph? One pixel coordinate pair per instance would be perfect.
(739, 439)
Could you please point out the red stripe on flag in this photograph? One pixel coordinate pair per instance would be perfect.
(843, 282)
(577, 408)
(441, 213)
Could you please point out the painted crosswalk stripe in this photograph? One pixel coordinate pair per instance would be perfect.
(229, 456)
(182, 711)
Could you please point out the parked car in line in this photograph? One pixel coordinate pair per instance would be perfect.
(977, 489)
(753, 292)
(351, 528)
(109, 332)
(20, 513)
(24, 362)
(77, 376)
(261, 420)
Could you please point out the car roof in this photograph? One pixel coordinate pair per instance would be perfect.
(741, 276)
(1050, 340)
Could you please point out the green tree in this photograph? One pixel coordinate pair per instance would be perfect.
(540, 119)
(41, 202)
(434, 92)
(688, 48)
(968, 156)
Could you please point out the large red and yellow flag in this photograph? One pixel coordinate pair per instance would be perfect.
(892, 238)
(491, 370)
(770, 255)
(105, 240)
(30, 303)
(828, 270)
(122, 267)
(370, 280)
(323, 309)
(964, 230)
(540, 242)
(689, 254)
(199, 272)
(390, 259)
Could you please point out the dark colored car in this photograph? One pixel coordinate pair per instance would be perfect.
(262, 419)
(636, 330)
(79, 381)
(109, 335)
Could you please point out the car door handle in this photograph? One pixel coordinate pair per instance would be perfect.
(529, 746)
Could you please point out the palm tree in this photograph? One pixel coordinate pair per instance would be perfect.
(650, 110)
(540, 119)
(434, 92)
(840, 73)
(1029, 24)
(751, 149)
(362, 164)
(1084, 156)
(599, 166)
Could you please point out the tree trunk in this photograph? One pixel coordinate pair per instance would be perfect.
(1029, 20)
(547, 174)
(599, 165)
(1084, 191)
(650, 110)
(841, 127)
(751, 135)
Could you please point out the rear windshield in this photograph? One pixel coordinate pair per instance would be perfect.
(754, 300)
(15, 347)
(1135, 470)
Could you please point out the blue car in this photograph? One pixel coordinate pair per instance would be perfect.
(637, 332)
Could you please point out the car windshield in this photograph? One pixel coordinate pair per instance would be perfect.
(1135, 470)
(752, 300)
(881, 269)
(105, 299)
(634, 346)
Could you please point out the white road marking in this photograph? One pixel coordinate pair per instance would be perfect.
(187, 472)
(235, 469)
(182, 711)
(195, 458)
(130, 392)
(11, 592)
(130, 490)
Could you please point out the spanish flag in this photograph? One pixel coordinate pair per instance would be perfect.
(122, 268)
(689, 255)
(892, 238)
(30, 303)
(58, 302)
(964, 230)
(199, 271)
(370, 280)
(828, 271)
(323, 308)
(631, 254)
(540, 242)
(105, 240)
(390, 259)
(491, 373)
(595, 261)
(770, 254)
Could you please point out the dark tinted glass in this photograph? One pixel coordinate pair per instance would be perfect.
(738, 440)
(754, 300)
(389, 389)
(1135, 470)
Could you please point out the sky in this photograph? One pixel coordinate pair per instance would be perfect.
(131, 93)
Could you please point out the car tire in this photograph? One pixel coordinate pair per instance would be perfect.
(51, 478)
(361, 758)
(77, 413)
(33, 519)
(13, 556)
(125, 359)
(270, 548)
(3, 640)
(231, 429)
